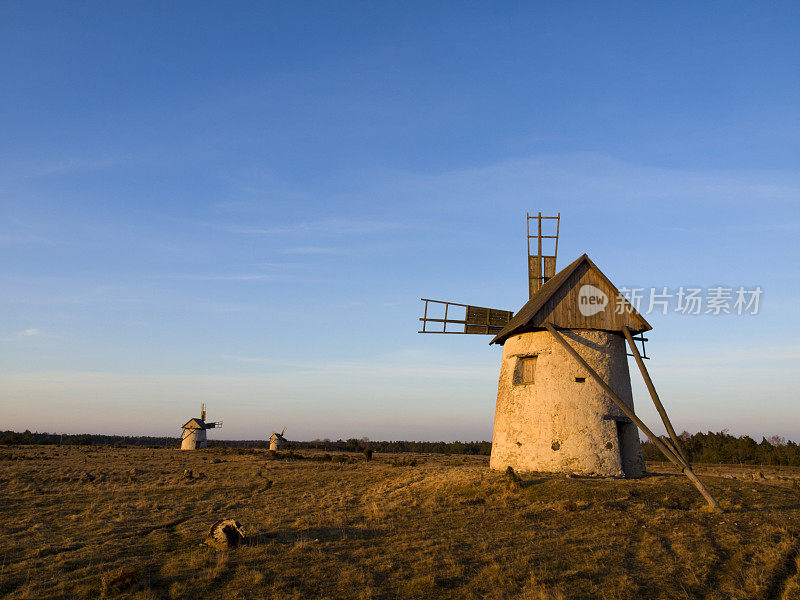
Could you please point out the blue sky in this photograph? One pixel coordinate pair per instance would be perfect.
(243, 204)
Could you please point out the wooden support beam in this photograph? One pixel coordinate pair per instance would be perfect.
(668, 443)
(676, 460)
(654, 395)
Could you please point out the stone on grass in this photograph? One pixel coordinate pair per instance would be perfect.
(226, 534)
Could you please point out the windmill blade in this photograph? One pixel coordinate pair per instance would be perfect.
(462, 318)
(541, 264)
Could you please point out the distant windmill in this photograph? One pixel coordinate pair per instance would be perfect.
(575, 324)
(194, 431)
(276, 440)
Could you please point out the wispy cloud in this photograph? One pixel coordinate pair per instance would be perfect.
(400, 365)
(588, 179)
(255, 360)
(313, 250)
(731, 359)
(33, 168)
(283, 276)
(260, 271)
(225, 277)
(77, 164)
(13, 239)
(22, 335)
(325, 227)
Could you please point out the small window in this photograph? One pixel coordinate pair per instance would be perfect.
(580, 380)
(524, 371)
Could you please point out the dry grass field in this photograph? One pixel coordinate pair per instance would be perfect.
(126, 523)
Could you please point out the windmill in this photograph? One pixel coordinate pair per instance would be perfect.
(194, 431)
(575, 325)
(276, 440)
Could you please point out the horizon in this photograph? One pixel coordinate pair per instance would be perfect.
(242, 206)
(774, 440)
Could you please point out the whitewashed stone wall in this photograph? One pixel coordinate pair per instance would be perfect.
(557, 424)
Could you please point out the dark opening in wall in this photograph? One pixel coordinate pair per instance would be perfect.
(580, 379)
(627, 447)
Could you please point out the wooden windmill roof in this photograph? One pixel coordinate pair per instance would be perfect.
(195, 424)
(565, 301)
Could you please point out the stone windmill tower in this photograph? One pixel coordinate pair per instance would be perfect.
(564, 401)
(276, 440)
(194, 431)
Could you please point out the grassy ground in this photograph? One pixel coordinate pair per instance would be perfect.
(86, 523)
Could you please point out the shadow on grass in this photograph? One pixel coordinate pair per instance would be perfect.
(526, 483)
(313, 534)
(761, 509)
(785, 570)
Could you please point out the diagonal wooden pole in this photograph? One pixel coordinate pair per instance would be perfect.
(669, 445)
(685, 468)
(654, 395)
(665, 450)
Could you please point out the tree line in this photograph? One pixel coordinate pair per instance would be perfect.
(28, 438)
(710, 447)
(724, 448)
(359, 445)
